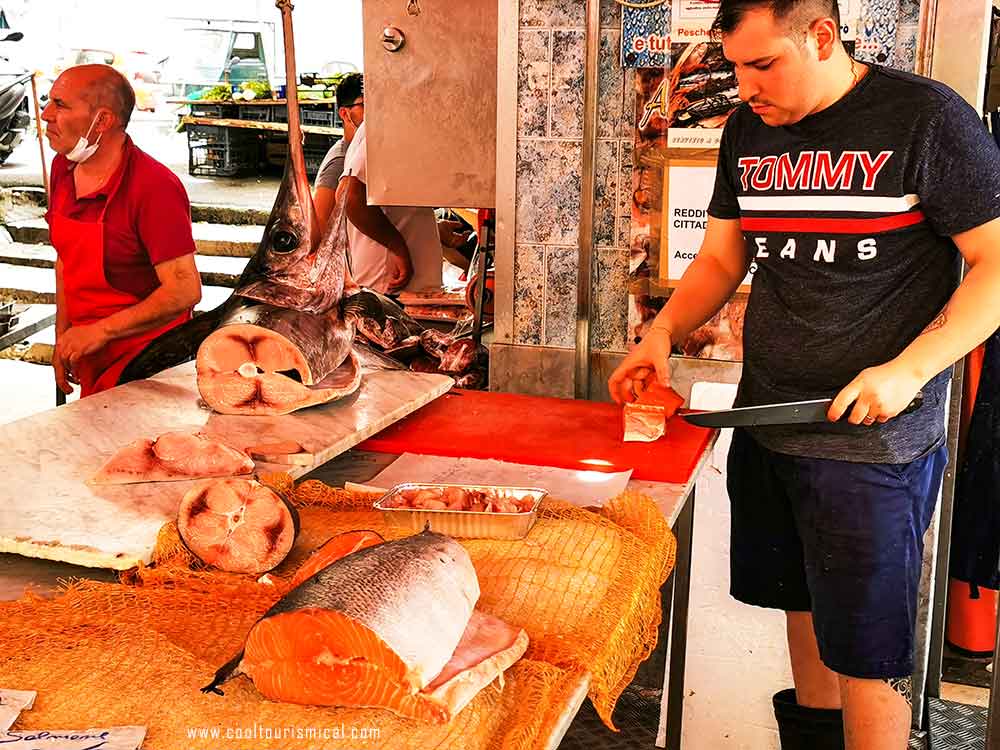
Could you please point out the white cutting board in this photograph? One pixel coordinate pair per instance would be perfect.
(47, 510)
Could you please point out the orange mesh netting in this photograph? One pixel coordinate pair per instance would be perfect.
(584, 586)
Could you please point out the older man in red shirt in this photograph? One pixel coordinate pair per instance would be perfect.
(121, 225)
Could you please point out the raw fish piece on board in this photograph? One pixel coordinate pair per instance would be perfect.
(173, 456)
(269, 360)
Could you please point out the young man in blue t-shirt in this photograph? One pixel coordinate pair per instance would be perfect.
(850, 191)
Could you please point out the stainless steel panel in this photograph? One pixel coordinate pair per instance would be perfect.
(431, 105)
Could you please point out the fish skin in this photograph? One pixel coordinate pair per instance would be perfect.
(372, 313)
(383, 588)
(372, 359)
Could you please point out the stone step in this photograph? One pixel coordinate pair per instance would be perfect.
(215, 270)
(34, 285)
(34, 197)
(227, 240)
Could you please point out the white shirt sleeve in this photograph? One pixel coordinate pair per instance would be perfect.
(356, 160)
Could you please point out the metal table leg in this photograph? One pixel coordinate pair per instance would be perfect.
(678, 626)
(993, 718)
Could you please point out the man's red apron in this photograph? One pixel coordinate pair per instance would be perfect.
(89, 298)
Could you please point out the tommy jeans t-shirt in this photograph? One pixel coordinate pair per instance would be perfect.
(847, 217)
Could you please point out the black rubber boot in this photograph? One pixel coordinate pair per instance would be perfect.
(802, 728)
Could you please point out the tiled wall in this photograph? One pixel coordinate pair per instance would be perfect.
(549, 160)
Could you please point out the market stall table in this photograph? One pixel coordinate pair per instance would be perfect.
(674, 499)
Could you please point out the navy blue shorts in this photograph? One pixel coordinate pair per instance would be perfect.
(842, 540)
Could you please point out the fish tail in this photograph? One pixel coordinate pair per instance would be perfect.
(226, 672)
(364, 304)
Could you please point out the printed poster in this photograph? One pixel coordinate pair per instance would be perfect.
(703, 92)
(646, 34)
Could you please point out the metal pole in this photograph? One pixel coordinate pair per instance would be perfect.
(993, 718)
(679, 624)
(38, 128)
(939, 599)
(585, 242)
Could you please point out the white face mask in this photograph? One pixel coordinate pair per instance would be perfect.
(83, 150)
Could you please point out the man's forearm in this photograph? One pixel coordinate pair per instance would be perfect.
(704, 288)
(159, 308)
(969, 318)
(369, 220)
(373, 223)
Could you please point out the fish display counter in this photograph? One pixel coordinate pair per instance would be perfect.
(584, 586)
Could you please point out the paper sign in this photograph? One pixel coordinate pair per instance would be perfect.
(693, 19)
(113, 738)
(12, 703)
(849, 19)
(685, 216)
(581, 488)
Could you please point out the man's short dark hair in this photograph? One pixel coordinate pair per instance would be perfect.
(350, 89)
(798, 14)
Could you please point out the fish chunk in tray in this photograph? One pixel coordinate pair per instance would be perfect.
(469, 511)
(462, 497)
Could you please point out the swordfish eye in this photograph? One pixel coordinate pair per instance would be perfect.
(284, 239)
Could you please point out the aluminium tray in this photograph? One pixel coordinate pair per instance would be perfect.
(463, 523)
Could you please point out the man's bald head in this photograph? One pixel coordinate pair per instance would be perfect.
(103, 86)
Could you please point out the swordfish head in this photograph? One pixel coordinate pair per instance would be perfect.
(294, 267)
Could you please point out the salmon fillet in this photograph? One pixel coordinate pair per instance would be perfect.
(390, 626)
(332, 550)
(174, 456)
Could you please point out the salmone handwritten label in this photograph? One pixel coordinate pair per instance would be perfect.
(111, 738)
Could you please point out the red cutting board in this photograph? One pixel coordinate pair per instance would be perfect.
(557, 432)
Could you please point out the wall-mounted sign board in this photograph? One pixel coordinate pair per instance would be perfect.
(687, 190)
